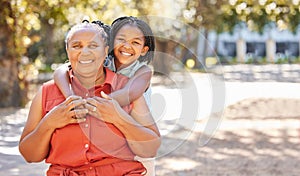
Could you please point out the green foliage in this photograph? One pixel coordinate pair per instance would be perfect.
(288, 60)
(224, 15)
(37, 28)
(40, 26)
(257, 60)
(293, 19)
(228, 60)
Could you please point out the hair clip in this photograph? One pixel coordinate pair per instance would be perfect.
(119, 19)
(98, 22)
(85, 21)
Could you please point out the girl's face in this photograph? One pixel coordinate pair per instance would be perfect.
(129, 45)
(86, 51)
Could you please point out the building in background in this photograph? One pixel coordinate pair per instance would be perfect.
(272, 46)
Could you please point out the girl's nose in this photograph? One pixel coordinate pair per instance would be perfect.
(126, 45)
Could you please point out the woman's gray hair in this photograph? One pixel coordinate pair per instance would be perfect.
(87, 25)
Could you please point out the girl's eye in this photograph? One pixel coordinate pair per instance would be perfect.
(136, 43)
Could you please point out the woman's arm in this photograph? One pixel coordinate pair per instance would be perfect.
(35, 132)
(62, 81)
(36, 136)
(139, 127)
(134, 88)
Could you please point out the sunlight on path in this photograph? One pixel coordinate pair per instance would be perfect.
(181, 113)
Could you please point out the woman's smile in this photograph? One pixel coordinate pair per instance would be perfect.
(86, 61)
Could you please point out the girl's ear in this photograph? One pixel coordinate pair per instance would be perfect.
(145, 50)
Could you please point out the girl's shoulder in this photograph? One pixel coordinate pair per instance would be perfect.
(131, 69)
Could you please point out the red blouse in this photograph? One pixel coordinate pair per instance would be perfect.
(92, 143)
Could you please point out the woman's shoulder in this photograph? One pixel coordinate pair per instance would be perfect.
(50, 89)
(49, 83)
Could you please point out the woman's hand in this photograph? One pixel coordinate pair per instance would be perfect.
(138, 127)
(38, 130)
(72, 110)
(106, 108)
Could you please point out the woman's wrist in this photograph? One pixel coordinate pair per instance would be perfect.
(46, 126)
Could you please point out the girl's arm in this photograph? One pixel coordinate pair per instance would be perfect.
(147, 145)
(34, 143)
(138, 127)
(62, 81)
(134, 88)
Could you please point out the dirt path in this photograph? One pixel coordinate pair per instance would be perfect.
(256, 137)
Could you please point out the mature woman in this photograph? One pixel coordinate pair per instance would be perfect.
(86, 134)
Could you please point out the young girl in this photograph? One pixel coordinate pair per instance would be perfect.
(131, 49)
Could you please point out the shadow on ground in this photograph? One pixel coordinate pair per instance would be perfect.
(251, 142)
(12, 121)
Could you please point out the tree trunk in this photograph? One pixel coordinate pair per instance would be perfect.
(48, 31)
(10, 91)
(206, 43)
(202, 48)
(160, 62)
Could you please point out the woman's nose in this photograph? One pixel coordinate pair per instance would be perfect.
(85, 50)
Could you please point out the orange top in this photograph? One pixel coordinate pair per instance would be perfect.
(93, 142)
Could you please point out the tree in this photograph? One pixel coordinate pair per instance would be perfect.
(167, 30)
(9, 83)
(223, 15)
(36, 29)
(207, 16)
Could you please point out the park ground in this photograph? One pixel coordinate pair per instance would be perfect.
(253, 131)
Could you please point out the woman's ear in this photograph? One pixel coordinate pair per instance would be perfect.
(67, 50)
(145, 50)
(67, 45)
(106, 50)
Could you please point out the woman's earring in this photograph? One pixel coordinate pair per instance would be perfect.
(107, 61)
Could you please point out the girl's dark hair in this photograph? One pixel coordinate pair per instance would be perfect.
(118, 23)
(104, 26)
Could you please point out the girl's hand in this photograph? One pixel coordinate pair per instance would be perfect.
(72, 110)
(106, 108)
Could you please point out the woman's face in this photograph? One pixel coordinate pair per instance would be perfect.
(86, 51)
(129, 45)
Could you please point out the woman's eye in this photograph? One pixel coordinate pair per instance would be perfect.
(120, 39)
(93, 46)
(76, 46)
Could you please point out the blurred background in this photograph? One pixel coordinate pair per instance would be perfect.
(225, 86)
(199, 33)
